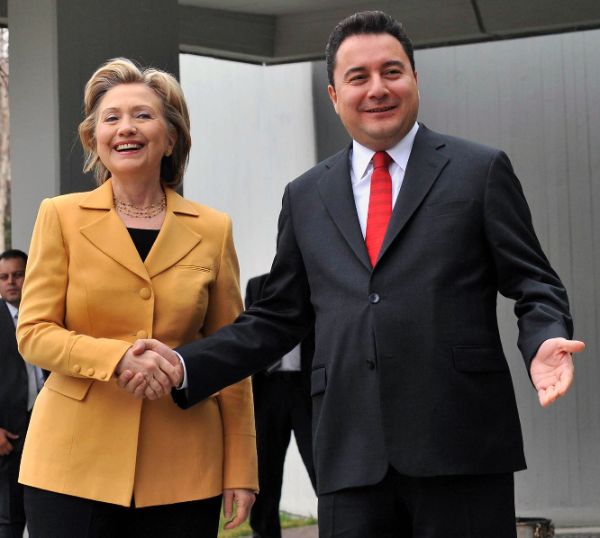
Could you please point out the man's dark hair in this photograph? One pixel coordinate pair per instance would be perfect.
(13, 253)
(365, 22)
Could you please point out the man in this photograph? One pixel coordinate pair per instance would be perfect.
(415, 424)
(282, 404)
(19, 385)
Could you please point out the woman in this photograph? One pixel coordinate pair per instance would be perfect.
(128, 260)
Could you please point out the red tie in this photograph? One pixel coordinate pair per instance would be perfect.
(380, 204)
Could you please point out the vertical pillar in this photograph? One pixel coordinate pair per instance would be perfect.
(55, 45)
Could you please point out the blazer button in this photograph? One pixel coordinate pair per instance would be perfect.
(90, 372)
(141, 334)
(374, 298)
(76, 368)
(102, 375)
(145, 293)
(370, 365)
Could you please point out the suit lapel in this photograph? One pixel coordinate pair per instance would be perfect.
(424, 167)
(175, 239)
(108, 233)
(335, 189)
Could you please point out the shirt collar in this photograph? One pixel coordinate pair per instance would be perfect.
(361, 155)
(12, 309)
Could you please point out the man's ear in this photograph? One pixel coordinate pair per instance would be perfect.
(332, 96)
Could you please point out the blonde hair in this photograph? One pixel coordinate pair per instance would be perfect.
(165, 86)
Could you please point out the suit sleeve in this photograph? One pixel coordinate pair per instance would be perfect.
(235, 401)
(523, 271)
(262, 334)
(43, 338)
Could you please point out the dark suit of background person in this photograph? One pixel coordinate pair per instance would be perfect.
(15, 401)
(282, 404)
(415, 425)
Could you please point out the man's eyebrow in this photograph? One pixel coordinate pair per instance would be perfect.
(394, 63)
(352, 70)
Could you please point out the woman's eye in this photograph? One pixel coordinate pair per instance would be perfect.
(110, 118)
(144, 115)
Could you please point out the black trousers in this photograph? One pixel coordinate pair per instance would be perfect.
(12, 513)
(54, 515)
(440, 507)
(281, 405)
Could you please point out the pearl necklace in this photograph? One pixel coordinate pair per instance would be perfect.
(146, 212)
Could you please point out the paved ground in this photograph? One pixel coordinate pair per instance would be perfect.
(301, 532)
(589, 532)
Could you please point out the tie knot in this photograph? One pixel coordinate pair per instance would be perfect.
(381, 160)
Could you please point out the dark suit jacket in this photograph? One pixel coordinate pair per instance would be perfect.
(408, 367)
(13, 384)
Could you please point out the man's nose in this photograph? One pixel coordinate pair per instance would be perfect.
(377, 87)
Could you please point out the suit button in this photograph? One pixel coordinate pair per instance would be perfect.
(90, 372)
(102, 375)
(145, 293)
(374, 298)
(76, 368)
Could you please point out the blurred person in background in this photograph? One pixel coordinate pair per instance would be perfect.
(282, 405)
(20, 383)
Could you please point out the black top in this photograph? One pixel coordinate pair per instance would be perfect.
(143, 240)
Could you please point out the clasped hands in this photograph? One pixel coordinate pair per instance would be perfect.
(149, 369)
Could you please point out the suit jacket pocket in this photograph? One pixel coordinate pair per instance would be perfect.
(479, 359)
(72, 387)
(193, 267)
(318, 381)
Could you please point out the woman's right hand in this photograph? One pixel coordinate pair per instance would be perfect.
(151, 373)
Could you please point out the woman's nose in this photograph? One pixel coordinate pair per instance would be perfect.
(127, 127)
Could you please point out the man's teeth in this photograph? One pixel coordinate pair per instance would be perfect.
(383, 109)
(126, 147)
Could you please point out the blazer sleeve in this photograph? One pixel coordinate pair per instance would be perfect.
(235, 402)
(523, 271)
(41, 333)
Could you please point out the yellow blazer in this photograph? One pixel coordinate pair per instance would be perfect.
(87, 296)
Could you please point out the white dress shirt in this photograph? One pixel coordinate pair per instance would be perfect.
(361, 168)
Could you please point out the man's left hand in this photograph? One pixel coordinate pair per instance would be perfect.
(552, 368)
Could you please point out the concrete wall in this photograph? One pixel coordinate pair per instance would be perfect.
(55, 46)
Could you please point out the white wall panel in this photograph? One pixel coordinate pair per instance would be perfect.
(252, 133)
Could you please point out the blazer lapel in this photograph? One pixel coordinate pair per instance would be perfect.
(108, 233)
(175, 239)
(335, 189)
(424, 167)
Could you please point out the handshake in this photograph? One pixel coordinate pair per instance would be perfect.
(149, 369)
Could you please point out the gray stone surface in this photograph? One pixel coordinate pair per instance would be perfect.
(309, 531)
